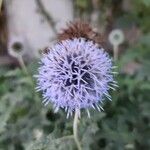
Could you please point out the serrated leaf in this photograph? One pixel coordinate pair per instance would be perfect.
(51, 143)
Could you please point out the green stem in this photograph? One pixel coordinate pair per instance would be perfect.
(25, 70)
(0, 5)
(115, 49)
(75, 130)
(23, 66)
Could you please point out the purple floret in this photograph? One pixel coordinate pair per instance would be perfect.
(75, 74)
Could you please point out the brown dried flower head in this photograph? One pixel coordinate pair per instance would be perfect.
(80, 29)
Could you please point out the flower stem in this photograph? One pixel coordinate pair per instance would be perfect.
(23, 66)
(25, 70)
(75, 130)
(115, 49)
(0, 5)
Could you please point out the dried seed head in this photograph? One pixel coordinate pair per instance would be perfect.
(80, 29)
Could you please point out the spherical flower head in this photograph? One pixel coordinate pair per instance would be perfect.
(116, 37)
(75, 74)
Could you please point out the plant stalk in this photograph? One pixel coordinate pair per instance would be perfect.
(1, 5)
(115, 49)
(75, 129)
(23, 66)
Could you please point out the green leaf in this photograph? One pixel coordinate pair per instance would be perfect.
(50, 142)
(145, 39)
(146, 2)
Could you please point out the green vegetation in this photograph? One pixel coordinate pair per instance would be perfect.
(25, 124)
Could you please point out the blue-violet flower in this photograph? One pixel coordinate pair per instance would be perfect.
(75, 74)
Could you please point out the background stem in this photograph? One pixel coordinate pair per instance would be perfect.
(0, 5)
(115, 49)
(22, 64)
(75, 130)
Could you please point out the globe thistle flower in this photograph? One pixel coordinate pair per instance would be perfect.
(75, 74)
(116, 37)
(15, 47)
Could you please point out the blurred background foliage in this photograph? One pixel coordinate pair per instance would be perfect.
(25, 124)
